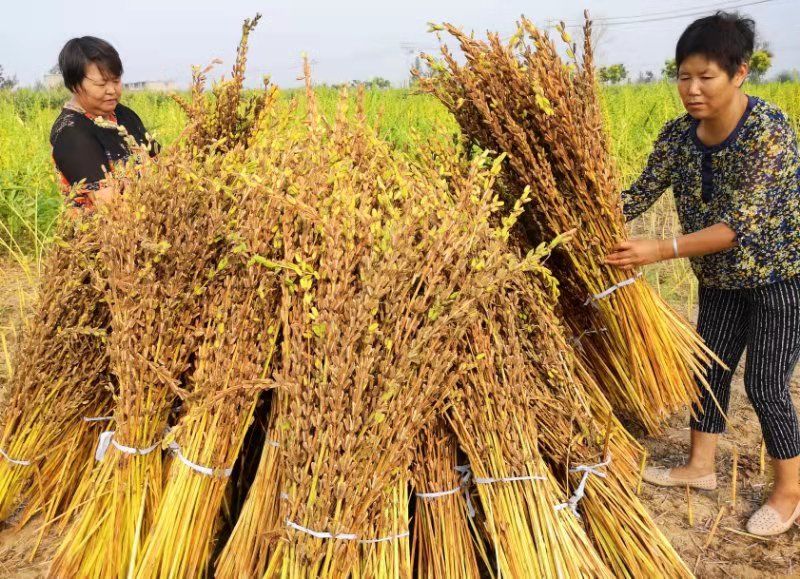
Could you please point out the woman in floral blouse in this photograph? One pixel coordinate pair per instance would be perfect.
(732, 163)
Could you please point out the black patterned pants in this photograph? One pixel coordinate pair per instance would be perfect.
(765, 321)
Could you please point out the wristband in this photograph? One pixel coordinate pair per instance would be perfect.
(675, 247)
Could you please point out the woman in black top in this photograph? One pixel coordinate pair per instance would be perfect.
(83, 151)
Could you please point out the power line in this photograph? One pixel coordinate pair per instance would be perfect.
(688, 14)
(412, 48)
(693, 12)
(680, 11)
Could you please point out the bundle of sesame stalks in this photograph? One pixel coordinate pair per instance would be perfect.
(253, 543)
(159, 264)
(247, 551)
(61, 475)
(391, 259)
(254, 540)
(443, 543)
(521, 98)
(163, 243)
(239, 325)
(498, 416)
(599, 463)
(587, 450)
(60, 378)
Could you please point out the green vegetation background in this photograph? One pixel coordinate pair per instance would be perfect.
(30, 201)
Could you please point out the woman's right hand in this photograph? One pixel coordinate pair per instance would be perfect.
(103, 196)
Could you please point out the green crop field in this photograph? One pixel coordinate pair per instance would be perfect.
(30, 201)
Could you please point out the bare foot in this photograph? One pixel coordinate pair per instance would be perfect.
(785, 502)
(688, 472)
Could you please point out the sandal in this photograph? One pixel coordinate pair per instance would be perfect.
(663, 477)
(767, 522)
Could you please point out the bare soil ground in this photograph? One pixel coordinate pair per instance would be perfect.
(729, 552)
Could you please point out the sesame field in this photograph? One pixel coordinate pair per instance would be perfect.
(29, 199)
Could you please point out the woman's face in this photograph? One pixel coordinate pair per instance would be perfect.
(705, 88)
(98, 92)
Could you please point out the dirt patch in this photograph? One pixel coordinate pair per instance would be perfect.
(730, 553)
(26, 553)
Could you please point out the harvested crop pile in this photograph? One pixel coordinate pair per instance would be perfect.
(60, 382)
(394, 258)
(414, 345)
(521, 98)
(162, 245)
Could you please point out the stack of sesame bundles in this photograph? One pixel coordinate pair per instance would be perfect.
(519, 97)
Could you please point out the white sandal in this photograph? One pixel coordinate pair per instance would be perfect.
(767, 522)
(663, 477)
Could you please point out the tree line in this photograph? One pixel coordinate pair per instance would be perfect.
(760, 63)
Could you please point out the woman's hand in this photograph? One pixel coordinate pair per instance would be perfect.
(636, 252)
(103, 196)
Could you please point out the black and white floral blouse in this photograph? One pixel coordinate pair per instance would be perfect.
(750, 181)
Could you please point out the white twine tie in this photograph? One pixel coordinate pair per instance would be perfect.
(107, 439)
(204, 470)
(507, 479)
(98, 418)
(580, 491)
(16, 461)
(402, 535)
(467, 476)
(438, 494)
(343, 536)
(612, 289)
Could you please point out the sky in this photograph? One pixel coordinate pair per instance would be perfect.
(349, 39)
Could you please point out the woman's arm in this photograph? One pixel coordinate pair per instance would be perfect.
(654, 179)
(740, 221)
(636, 252)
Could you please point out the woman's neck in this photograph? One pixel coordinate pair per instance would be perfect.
(76, 103)
(714, 130)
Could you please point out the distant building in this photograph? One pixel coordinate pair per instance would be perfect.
(52, 80)
(154, 85)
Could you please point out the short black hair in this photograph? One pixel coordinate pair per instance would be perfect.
(79, 52)
(726, 38)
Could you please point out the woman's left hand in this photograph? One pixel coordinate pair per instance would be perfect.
(636, 252)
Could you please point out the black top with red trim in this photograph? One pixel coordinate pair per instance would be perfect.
(84, 151)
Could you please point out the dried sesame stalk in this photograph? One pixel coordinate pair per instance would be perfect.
(443, 543)
(252, 540)
(239, 327)
(521, 98)
(60, 374)
(540, 387)
(500, 416)
(385, 288)
(157, 269)
(162, 243)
